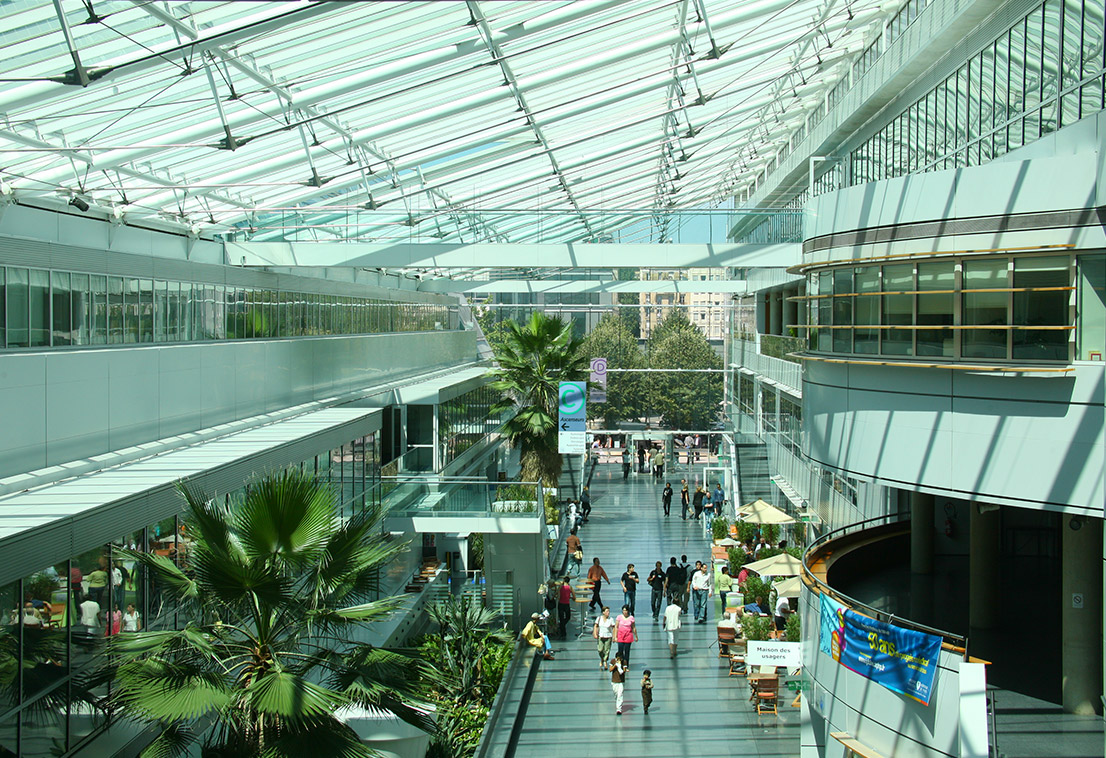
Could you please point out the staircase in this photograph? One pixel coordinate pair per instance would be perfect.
(753, 475)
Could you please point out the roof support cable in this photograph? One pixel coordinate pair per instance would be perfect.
(228, 143)
(79, 74)
(315, 180)
(715, 51)
(488, 37)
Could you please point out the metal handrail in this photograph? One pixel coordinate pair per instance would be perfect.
(495, 713)
(890, 618)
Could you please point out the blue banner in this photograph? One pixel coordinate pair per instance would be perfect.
(901, 660)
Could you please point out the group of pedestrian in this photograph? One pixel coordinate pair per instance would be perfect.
(700, 503)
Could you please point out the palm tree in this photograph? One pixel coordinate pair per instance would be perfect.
(533, 360)
(275, 586)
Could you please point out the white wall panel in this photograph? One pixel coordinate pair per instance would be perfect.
(66, 405)
(1031, 442)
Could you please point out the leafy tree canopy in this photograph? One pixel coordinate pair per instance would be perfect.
(683, 400)
(611, 339)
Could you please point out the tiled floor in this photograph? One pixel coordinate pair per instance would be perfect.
(697, 709)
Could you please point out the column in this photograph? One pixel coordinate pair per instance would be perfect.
(921, 533)
(1081, 613)
(776, 305)
(985, 544)
(790, 311)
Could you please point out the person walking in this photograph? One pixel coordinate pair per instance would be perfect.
(697, 501)
(596, 575)
(685, 585)
(646, 690)
(618, 679)
(685, 499)
(666, 498)
(671, 625)
(565, 597)
(674, 581)
(585, 504)
(625, 463)
(658, 465)
(630, 582)
(641, 458)
(625, 633)
(717, 499)
(603, 632)
(575, 552)
(725, 585)
(701, 590)
(656, 583)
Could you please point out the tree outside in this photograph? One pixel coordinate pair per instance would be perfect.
(276, 587)
(611, 339)
(683, 400)
(533, 360)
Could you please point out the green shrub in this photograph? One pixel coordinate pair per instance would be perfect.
(793, 630)
(756, 587)
(746, 532)
(737, 560)
(516, 491)
(756, 628)
(719, 527)
(552, 512)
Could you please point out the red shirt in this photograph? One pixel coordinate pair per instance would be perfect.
(566, 594)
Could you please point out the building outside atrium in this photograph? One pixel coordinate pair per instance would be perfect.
(237, 238)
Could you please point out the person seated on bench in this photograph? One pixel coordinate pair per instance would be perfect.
(533, 635)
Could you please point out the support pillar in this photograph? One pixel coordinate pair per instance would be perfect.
(776, 304)
(790, 311)
(984, 582)
(921, 533)
(1081, 614)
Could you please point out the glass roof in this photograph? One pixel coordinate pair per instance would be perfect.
(379, 121)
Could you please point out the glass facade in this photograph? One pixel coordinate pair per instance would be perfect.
(466, 420)
(993, 308)
(1043, 73)
(41, 308)
(56, 618)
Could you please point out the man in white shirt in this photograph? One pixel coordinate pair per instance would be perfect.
(671, 624)
(700, 591)
(783, 608)
(90, 615)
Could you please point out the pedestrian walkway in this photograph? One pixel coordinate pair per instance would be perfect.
(698, 710)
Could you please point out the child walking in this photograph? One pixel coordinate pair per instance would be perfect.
(618, 679)
(646, 689)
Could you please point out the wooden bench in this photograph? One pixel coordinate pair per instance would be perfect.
(853, 746)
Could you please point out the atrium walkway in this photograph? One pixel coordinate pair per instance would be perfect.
(698, 710)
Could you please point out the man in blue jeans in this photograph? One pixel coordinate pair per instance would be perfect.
(717, 499)
(700, 591)
(629, 587)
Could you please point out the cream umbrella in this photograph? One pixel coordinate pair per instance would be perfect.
(783, 564)
(789, 587)
(760, 512)
(726, 542)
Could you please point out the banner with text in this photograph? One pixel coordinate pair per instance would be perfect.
(902, 660)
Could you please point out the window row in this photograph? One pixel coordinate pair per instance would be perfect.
(991, 308)
(1044, 73)
(41, 308)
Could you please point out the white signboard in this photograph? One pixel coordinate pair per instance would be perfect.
(570, 443)
(772, 653)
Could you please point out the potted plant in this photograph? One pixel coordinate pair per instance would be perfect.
(792, 632)
(719, 527)
(756, 628)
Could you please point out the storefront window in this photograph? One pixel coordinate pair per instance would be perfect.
(1043, 304)
(898, 309)
(1091, 310)
(936, 298)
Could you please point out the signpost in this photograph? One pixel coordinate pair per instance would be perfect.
(598, 380)
(572, 418)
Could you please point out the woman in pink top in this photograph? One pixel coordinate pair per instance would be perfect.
(625, 633)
